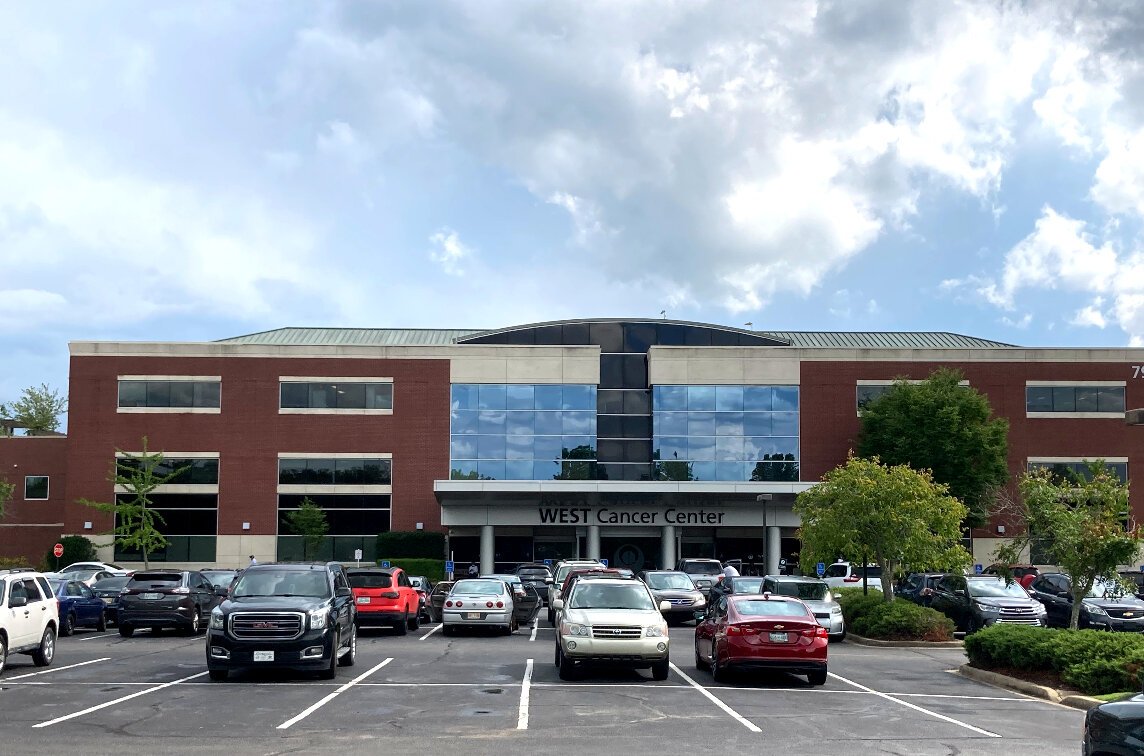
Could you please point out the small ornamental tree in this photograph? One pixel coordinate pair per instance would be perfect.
(891, 515)
(944, 427)
(37, 409)
(309, 521)
(1081, 524)
(136, 476)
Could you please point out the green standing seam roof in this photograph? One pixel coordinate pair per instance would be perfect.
(446, 336)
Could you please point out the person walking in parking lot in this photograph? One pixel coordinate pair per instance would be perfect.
(253, 560)
(473, 570)
(730, 571)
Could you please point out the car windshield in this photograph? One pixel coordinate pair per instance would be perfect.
(1109, 589)
(995, 588)
(510, 579)
(592, 595)
(532, 574)
(282, 583)
(563, 570)
(703, 568)
(478, 587)
(746, 585)
(156, 580)
(220, 579)
(804, 590)
(58, 586)
(81, 574)
(370, 580)
(764, 608)
(670, 582)
(418, 582)
(110, 584)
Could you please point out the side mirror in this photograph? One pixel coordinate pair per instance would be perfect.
(221, 591)
(558, 603)
(17, 601)
(548, 580)
(959, 592)
(344, 592)
(664, 607)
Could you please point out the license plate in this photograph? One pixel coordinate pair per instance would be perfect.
(151, 596)
(778, 637)
(363, 599)
(472, 615)
(263, 656)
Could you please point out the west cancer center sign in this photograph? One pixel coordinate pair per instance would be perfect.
(605, 511)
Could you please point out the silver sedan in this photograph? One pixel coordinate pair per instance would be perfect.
(478, 602)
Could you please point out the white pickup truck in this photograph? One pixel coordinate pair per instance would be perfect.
(849, 575)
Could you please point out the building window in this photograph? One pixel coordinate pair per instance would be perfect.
(354, 521)
(333, 395)
(189, 522)
(522, 432)
(35, 487)
(868, 391)
(191, 470)
(1074, 400)
(726, 432)
(1073, 470)
(333, 471)
(169, 393)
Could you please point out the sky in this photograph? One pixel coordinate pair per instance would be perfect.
(195, 171)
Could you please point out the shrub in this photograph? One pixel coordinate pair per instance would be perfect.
(870, 615)
(10, 562)
(412, 543)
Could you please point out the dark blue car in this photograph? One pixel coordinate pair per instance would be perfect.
(79, 606)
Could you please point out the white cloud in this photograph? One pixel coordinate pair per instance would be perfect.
(341, 141)
(449, 251)
(1119, 181)
(1020, 323)
(1090, 315)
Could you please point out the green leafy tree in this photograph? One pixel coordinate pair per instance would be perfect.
(136, 524)
(891, 515)
(309, 521)
(37, 409)
(579, 463)
(941, 426)
(1081, 524)
(672, 469)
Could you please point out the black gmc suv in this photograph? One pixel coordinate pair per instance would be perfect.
(286, 615)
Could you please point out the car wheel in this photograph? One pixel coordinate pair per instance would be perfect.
(660, 669)
(718, 673)
(414, 622)
(67, 626)
(218, 675)
(350, 656)
(972, 626)
(447, 630)
(402, 627)
(3, 652)
(330, 672)
(102, 625)
(567, 670)
(196, 624)
(156, 630)
(126, 631)
(817, 677)
(43, 655)
(556, 657)
(699, 663)
(551, 616)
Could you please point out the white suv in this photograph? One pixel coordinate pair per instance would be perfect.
(848, 575)
(612, 622)
(29, 617)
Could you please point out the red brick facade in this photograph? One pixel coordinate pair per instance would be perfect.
(30, 528)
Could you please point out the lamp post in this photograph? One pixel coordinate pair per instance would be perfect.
(766, 497)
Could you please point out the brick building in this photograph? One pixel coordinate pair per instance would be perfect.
(637, 440)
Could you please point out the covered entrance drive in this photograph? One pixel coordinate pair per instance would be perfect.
(499, 524)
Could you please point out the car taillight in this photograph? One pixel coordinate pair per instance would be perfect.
(851, 579)
(448, 603)
(818, 632)
(489, 604)
(458, 603)
(500, 605)
(389, 594)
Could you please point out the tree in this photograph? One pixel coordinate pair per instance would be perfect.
(579, 463)
(135, 477)
(37, 409)
(1081, 524)
(6, 492)
(941, 426)
(892, 515)
(308, 521)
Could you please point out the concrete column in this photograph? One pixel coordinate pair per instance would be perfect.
(667, 547)
(774, 545)
(488, 550)
(593, 542)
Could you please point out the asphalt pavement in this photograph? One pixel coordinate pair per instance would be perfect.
(483, 693)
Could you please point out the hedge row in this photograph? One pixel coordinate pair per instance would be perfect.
(1091, 661)
(434, 569)
(869, 615)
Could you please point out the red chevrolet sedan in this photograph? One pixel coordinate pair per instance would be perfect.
(761, 631)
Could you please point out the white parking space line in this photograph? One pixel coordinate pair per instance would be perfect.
(535, 626)
(57, 720)
(909, 705)
(426, 635)
(57, 669)
(93, 637)
(307, 712)
(522, 716)
(965, 698)
(736, 715)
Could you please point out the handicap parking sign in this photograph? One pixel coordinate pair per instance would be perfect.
(449, 566)
(385, 564)
(820, 568)
(604, 562)
(977, 568)
(548, 563)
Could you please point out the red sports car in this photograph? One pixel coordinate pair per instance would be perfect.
(761, 631)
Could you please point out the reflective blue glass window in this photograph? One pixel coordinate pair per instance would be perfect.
(579, 422)
(576, 442)
(701, 423)
(464, 421)
(784, 424)
(729, 398)
(703, 471)
(519, 447)
(701, 447)
(463, 447)
(757, 398)
(700, 398)
(579, 398)
(519, 423)
(729, 423)
(491, 447)
(548, 397)
(519, 397)
(757, 423)
(518, 469)
(730, 471)
(672, 447)
(490, 469)
(492, 396)
(670, 424)
(463, 469)
(669, 398)
(545, 470)
(546, 447)
(729, 448)
(548, 424)
(785, 398)
(491, 421)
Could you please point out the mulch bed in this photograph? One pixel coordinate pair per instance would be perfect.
(1048, 678)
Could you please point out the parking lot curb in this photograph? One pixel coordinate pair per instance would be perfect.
(861, 641)
(1021, 686)
(1081, 702)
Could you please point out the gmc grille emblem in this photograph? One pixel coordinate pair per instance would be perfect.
(265, 625)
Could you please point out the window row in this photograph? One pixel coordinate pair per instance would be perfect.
(522, 447)
(189, 393)
(727, 448)
(725, 398)
(1074, 399)
(196, 470)
(325, 471)
(351, 514)
(1074, 472)
(782, 468)
(726, 424)
(342, 395)
(493, 469)
(524, 422)
(513, 396)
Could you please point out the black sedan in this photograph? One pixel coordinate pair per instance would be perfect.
(1108, 606)
(1115, 729)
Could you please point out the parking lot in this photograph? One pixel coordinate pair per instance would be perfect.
(486, 694)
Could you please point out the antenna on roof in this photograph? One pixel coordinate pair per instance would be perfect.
(748, 324)
(663, 314)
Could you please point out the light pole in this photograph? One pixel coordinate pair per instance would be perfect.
(766, 497)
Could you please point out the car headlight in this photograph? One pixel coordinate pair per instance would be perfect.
(571, 628)
(657, 631)
(987, 608)
(318, 619)
(1094, 610)
(699, 602)
(1041, 610)
(836, 610)
(216, 619)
